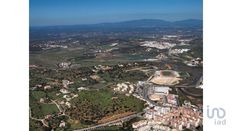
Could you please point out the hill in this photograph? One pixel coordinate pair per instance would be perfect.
(142, 23)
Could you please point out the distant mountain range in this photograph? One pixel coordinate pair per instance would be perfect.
(142, 23)
(150, 23)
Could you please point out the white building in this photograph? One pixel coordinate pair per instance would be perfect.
(62, 124)
(162, 90)
(64, 91)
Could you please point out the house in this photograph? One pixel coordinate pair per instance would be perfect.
(95, 77)
(41, 100)
(64, 91)
(66, 83)
(139, 124)
(68, 104)
(62, 124)
(47, 87)
(81, 88)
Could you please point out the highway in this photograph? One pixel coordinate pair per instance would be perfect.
(183, 88)
(191, 86)
(111, 122)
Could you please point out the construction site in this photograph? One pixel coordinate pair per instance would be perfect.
(165, 77)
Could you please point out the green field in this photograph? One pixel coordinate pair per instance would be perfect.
(39, 110)
(49, 109)
(38, 94)
(103, 98)
(91, 106)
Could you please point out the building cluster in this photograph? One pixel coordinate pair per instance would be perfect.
(147, 125)
(82, 89)
(155, 95)
(66, 99)
(75, 42)
(39, 86)
(33, 66)
(126, 88)
(159, 45)
(148, 49)
(161, 56)
(150, 60)
(162, 96)
(102, 68)
(164, 111)
(95, 77)
(168, 37)
(171, 100)
(48, 46)
(64, 65)
(183, 117)
(140, 90)
(45, 45)
(64, 91)
(178, 51)
(194, 62)
(178, 118)
(154, 111)
(65, 83)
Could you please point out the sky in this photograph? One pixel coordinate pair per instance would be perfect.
(70, 12)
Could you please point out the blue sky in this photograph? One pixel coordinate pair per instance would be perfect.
(66, 12)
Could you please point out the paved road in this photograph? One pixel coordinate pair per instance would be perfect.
(183, 89)
(191, 86)
(58, 106)
(36, 119)
(111, 122)
(199, 81)
(190, 93)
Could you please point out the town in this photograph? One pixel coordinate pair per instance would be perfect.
(138, 80)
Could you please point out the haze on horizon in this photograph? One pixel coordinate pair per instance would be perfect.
(69, 12)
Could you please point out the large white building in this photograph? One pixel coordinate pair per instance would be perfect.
(162, 90)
